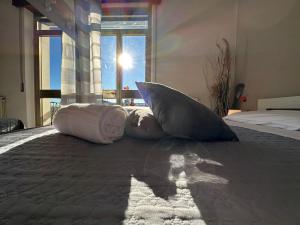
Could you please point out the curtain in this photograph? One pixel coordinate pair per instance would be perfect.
(80, 21)
(81, 66)
(60, 12)
(68, 70)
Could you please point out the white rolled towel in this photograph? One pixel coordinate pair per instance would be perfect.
(92, 122)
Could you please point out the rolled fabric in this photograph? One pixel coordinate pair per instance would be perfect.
(96, 123)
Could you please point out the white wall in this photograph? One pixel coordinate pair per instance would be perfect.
(187, 32)
(10, 81)
(264, 35)
(29, 68)
(268, 44)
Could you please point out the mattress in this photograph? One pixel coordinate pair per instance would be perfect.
(50, 178)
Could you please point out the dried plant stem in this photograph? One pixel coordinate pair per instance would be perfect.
(220, 89)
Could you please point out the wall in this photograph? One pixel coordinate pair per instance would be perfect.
(268, 49)
(10, 81)
(264, 35)
(29, 68)
(186, 36)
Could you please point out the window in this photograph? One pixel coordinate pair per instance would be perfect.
(125, 54)
(49, 51)
(134, 60)
(109, 67)
(125, 58)
(108, 62)
(123, 62)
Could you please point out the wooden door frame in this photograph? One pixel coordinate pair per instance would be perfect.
(38, 93)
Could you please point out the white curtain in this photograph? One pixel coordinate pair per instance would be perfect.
(68, 70)
(95, 54)
(81, 65)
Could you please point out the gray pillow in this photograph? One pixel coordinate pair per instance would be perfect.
(182, 116)
(142, 124)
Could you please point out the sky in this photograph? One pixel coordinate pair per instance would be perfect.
(133, 46)
(55, 62)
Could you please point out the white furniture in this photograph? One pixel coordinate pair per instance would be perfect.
(292, 102)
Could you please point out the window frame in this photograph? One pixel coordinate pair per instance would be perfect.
(41, 93)
(119, 93)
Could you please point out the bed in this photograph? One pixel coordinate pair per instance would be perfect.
(279, 116)
(50, 178)
(8, 125)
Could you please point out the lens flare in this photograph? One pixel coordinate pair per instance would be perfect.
(125, 61)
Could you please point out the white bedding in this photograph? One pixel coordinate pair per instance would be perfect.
(271, 130)
(93, 122)
(284, 119)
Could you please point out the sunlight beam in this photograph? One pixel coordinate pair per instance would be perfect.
(8, 147)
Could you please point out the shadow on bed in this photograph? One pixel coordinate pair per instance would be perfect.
(246, 183)
(59, 179)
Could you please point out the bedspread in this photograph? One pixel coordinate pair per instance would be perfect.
(50, 178)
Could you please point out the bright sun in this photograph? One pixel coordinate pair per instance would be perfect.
(125, 60)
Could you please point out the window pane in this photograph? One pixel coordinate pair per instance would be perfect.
(50, 62)
(48, 109)
(133, 60)
(55, 62)
(108, 62)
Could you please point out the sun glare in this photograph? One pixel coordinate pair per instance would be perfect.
(125, 60)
